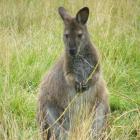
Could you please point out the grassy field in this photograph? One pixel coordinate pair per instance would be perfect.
(31, 41)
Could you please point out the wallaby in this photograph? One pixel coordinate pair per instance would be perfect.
(77, 71)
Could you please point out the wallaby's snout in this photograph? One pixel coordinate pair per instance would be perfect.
(75, 32)
(73, 51)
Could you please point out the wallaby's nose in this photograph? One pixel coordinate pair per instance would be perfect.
(72, 51)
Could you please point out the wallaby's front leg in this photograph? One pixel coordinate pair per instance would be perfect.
(82, 86)
(73, 80)
(62, 125)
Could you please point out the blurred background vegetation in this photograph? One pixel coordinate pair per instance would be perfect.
(30, 42)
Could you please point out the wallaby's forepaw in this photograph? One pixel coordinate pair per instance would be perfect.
(81, 87)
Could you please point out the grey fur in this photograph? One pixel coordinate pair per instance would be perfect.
(68, 77)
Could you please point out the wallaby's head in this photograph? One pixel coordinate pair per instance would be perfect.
(75, 31)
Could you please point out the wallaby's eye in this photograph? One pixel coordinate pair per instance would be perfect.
(80, 35)
(66, 35)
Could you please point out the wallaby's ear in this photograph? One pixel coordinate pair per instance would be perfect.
(82, 15)
(63, 13)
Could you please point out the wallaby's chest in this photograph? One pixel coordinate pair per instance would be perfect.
(82, 67)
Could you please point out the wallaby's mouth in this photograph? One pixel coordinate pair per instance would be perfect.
(73, 51)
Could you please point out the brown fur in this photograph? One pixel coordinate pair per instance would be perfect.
(68, 76)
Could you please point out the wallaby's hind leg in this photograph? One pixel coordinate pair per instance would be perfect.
(100, 120)
(46, 135)
(56, 128)
(101, 112)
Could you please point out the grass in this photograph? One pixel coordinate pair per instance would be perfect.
(31, 41)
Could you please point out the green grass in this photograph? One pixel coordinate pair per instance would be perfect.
(31, 41)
